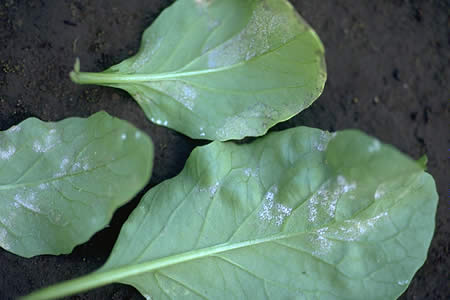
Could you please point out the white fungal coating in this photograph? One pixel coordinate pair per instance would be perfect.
(272, 210)
(374, 147)
(7, 153)
(324, 202)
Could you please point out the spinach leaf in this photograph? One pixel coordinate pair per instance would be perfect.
(222, 70)
(299, 214)
(61, 182)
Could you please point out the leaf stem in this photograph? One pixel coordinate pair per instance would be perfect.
(117, 77)
(101, 278)
(111, 78)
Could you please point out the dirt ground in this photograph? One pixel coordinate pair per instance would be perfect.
(388, 69)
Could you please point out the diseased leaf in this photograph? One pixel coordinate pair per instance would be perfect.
(222, 70)
(61, 182)
(299, 214)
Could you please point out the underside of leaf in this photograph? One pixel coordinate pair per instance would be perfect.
(61, 182)
(222, 70)
(298, 214)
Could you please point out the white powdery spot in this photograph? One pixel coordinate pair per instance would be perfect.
(59, 174)
(76, 167)
(6, 221)
(147, 297)
(43, 186)
(37, 147)
(123, 136)
(187, 96)
(202, 132)
(28, 200)
(239, 126)
(403, 282)
(15, 129)
(379, 192)
(372, 221)
(282, 213)
(159, 122)
(165, 123)
(6, 154)
(154, 43)
(270, 195)
(344, 185)
(322, 142)
(211, 190)
(62, 168)
(352, 230)
(313, 203)
(50, 141)
(249, 172)
(324, 201)
(177, 90)
(273, 211)
(138, 135)
(264, 31)
(375, 146)
(64, 163)
(322, 245)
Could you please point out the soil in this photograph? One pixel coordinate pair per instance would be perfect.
(388, 68)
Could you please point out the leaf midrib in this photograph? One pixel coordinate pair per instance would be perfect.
(57, 178)
(110, 78)
(145, 267)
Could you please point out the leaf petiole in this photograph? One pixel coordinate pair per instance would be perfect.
(111, 78)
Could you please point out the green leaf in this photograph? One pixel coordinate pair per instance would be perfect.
(222, 70)
(299, 214)
(61, 182)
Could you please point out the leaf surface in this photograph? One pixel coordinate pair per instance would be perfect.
(61, 182)
(299, 214)
(222, 70)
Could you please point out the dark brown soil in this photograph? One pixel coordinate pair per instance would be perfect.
(388, 63)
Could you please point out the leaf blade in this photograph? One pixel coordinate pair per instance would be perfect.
(275, 241)
(58, 185)
(255, 62)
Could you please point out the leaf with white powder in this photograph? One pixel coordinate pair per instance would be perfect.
(298, 214)
(61, 182)
(221, 70)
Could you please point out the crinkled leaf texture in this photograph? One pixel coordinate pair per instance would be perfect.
(222, 70)
(61, 182)
(299, 214)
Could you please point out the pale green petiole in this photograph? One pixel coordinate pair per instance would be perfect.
(111, 78)
(101, 278)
